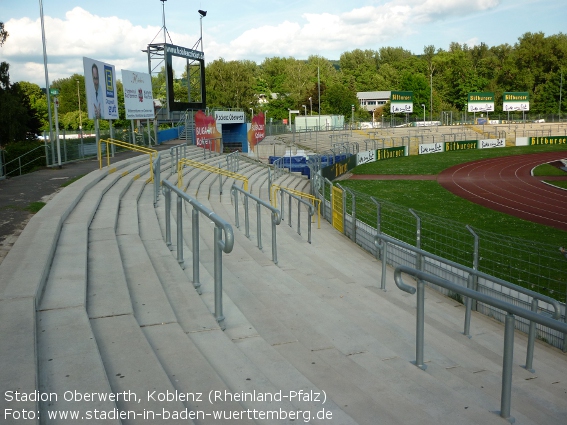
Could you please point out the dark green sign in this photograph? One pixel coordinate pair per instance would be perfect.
(461, 145)
(552, 140)
(338, 169)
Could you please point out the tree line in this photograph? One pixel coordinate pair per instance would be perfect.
(534, 64)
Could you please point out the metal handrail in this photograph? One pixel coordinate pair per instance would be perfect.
(151, 152)
(274, 188)
(421, 254)
(276, 218)
(310, 209)
(208, 168)
(157, 177)
(5, 165)
(220, 245)
(511, 309)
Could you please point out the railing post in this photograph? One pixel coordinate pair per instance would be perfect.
(269, 184)
(299, 217)
(508, 355)
(236, 216)
(180, 232)
(195, 248)
(258, 224)
(475, 263)
(168, 218)
(218, 277)
(378, 219)
(468, 305)
(531, 340)
(420, 325)
(274, 245)
(353, 215)
(246, 218)
(289, 208)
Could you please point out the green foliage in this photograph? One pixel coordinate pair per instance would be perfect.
(34, 207)
(548, 170)
(30, 153)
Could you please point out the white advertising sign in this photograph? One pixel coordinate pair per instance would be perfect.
(100, 85)
(491, 143)
(230, 117)
(365, 157)
(426, 148)
(138, 97)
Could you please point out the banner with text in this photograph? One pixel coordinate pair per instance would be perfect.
(365, 157)
(138, 97)
(206, 133)
(491, 143)
(401, 102)
(481, 102)
(426, 148)
(102, 99)
(516, 101)
(551, 140)
(256, 133)
(230, 117)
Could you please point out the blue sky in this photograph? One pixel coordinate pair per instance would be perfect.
(116, 31)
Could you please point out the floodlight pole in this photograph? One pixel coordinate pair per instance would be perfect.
(47, 80)
(163, 15)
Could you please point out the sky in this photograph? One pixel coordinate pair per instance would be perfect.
(116, 31)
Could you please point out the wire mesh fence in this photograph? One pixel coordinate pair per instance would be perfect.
(539, 267)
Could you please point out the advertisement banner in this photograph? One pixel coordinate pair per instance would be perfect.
(389, 153)
(461, 145)
(481, 102)
(401, 102)
(138, 97)
(338, 169)
(551, 140)
(206, 133)
(426, 148)
(516, 101)
(256, 133)
(365, 157)
(100, 87)
(491, 143)
(230, 117)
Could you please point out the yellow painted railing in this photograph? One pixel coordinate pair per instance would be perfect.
(314, 201)
(209, 168)
(151, 152)
(337, 203)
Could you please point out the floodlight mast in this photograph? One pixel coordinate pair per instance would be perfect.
(163, 15)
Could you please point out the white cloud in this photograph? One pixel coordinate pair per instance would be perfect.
(119, 42)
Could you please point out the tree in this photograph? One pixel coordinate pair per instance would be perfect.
(339, 99)
(230, 84)
(3, 34)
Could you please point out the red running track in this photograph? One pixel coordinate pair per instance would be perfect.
(505, 184)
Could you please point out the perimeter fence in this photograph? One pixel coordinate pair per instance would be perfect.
(536, 266)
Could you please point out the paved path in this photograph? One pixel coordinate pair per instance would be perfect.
(19, 192)
(505, 184)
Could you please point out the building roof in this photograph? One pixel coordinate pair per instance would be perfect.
(373, 95)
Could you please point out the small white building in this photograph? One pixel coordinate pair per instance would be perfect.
(372, 100)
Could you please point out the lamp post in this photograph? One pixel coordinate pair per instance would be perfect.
(305, 109)
(203, 13)
(252, 113)
(423, 105)
(310, 105)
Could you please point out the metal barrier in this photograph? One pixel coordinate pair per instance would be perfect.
(151, 152)
(4, 166)
(157, 177)
(176, 153)
(233, 162)
(505, 399)
(274, 188)
(217, 170)
(276, 218)
(381, 241)
(310, 209)
(220, 245)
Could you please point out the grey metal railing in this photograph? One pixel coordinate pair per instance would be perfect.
(220, 245)
(19, 161)
(381, 241)
(233, 162)
(275, 213)
(511, 309)
(157, 177)
(176, 153)
(309, 206)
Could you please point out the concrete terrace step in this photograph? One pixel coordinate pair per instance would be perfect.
(23, 275)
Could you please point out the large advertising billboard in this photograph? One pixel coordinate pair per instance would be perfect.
(206, 133)
(190, 66)
(516, 101)
(138, 97)
(100, 86)
(481, 102)
(401, 102)
(256, 133)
